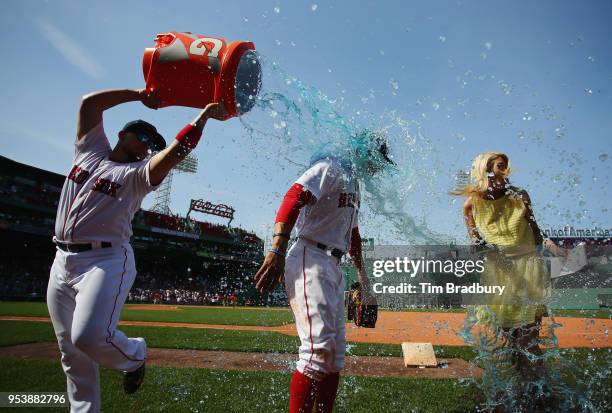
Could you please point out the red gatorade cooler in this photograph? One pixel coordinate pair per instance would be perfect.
(192, 70)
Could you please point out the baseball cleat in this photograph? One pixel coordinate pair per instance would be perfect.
(133, 379)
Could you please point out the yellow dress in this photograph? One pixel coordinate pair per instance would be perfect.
(502, 223)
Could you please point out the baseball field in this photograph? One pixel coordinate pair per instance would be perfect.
(223, 359)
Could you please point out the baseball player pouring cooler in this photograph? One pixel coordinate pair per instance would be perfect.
(94, 264)
(325, 202)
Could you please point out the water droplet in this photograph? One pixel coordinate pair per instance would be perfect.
(505, 87)
(560, 132)
(394, 85)
(442, 39)
(277, 10)
(314, 7)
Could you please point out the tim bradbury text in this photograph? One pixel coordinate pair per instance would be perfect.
(413, 267)
(428, 288)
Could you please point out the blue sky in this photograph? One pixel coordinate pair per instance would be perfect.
(532, 79)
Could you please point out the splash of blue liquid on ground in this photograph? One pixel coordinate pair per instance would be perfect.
(517, 380)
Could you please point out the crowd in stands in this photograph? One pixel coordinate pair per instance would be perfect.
(24, 272)
(221, 259)
(181, 296)
(29, 192)
(195, 297)
(222, 283)
(32, 223)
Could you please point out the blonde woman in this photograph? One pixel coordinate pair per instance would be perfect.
(500, 215)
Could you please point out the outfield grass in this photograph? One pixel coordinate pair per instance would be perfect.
(23, 332)
(210, 390)
(184, 314)
(599, 313)
(588, 313)
(252, 316)
(190, 389)
(204, 390)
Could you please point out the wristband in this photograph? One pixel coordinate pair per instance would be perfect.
(277, 252)
(280, 234)
(189, 136)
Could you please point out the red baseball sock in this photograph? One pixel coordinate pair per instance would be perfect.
(301, 393)
(326, 393)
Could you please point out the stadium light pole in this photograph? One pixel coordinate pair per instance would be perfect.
(161, 203)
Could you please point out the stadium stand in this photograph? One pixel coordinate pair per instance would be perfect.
(179, 260)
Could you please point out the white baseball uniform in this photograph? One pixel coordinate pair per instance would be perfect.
(313, 279)
(87, 289)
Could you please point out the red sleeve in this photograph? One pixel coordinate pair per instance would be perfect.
(294, 200)
(189, 136)
(355, 250)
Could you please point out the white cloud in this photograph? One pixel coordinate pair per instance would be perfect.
(72, 52)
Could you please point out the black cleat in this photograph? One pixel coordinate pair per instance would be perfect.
(133, 379)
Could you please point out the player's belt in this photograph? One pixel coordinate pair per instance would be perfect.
(334, 252)
(81, 247)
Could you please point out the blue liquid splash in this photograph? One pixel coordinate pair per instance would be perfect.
(534, 375)
(303, 124)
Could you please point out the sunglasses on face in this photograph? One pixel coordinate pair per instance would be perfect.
(147, 140)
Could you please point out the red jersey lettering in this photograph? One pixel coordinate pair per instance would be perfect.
(106, 186)
(78, 175)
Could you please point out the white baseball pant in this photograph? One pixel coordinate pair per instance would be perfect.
(85, 296)
(315, 288)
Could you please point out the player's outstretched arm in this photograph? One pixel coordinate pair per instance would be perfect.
(537, 233)
(273, 268)
(95, 103)
(186, 140)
